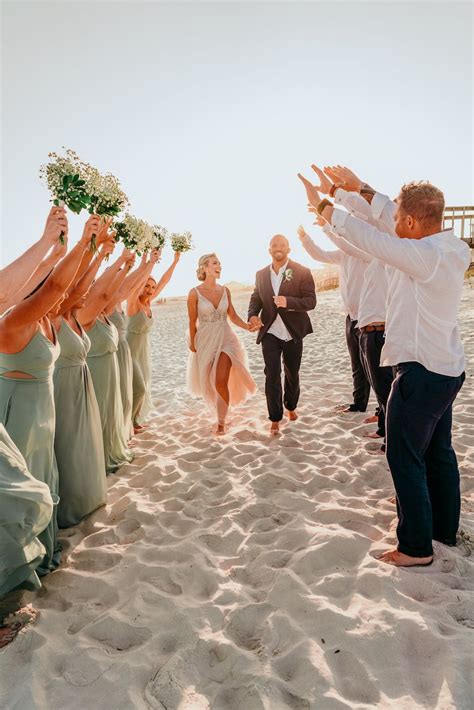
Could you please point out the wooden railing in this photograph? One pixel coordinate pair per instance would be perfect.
(461, 219)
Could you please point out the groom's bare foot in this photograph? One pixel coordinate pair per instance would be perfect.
(371, 420)
(292, 416)
(399, 559)
(372, 435)
(275, 428)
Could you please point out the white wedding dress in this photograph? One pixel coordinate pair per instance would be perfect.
(215, 336)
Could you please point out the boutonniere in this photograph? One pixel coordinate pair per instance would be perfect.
(287, 274)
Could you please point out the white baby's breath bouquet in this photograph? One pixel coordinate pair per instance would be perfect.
(137, 235)
(181, 242)
(106, 197)
(160, 235)
(64, 177)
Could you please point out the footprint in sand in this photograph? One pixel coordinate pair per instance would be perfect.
(117, 635)
(95, 560)
(351, 678)
(463, 613)
(246, 625)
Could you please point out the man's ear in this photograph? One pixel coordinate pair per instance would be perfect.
(410, 222)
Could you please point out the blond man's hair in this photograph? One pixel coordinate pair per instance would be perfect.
(423, 201)
(203, 262)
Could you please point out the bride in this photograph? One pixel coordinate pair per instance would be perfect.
(217, 366)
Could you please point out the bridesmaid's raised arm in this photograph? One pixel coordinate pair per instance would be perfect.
(83, 284)
(19, 325)
(19, 277)
(165, 279)
(104, 289)
(132, 283)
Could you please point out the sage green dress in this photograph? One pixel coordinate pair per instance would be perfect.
(103, 365)
(138, 336)
(78, 440)
(124, 357)
(26, 508)
(28, 414)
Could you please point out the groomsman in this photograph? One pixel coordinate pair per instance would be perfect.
(351, 277)
(423, 345)
(284, 293)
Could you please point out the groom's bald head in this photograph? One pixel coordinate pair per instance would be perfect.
(278, 237)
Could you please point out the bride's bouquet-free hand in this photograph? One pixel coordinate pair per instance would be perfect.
(181, 242)
(65, 179)
(139, 236)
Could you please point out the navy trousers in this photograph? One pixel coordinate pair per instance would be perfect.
(380, 378)
(421, 457)
(361, 384)
(274, 351)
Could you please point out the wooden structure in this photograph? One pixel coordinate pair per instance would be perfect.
(461, 219)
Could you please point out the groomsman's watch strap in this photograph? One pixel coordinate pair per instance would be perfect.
(332, 189)
(367, 192)
(322, 205)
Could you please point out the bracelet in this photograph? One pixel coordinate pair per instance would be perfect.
(322, 205)
(333, 189)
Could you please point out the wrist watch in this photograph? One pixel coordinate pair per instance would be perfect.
(333, 189)
(322, 205)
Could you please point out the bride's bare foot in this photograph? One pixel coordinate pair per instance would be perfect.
(220, 429)
(371, 420)
(399, 559)
(275, 428)
(292, 416)
(138, 428)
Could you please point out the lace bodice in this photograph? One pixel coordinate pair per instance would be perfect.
(208, 313)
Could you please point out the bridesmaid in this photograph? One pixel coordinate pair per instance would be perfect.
(26, 510)
(78, 441)
(28, 350)
(102, 360)
(140, 322)
(119, 318)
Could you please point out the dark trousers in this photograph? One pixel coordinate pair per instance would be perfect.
(273, 349)
(380, 378)
(421, 458)
(359, 378)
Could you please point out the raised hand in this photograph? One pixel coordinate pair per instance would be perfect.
(345, 177)
(107, 247)
(128, 258)
(301, 232)
(155, 256)
(103, 234)
(91, 228)
(312, 193)
(56, 225)
(324, 183)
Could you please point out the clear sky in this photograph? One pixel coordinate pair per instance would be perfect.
(206, 111)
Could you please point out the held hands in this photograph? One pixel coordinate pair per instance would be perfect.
(254, 324)
(56, 224)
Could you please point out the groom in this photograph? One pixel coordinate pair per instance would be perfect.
(284, 292)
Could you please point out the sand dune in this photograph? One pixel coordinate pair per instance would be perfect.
(239, 573)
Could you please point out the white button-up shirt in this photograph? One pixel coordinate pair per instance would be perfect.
(381, 213)
(424, 292)
(278, 328)
(351, 271)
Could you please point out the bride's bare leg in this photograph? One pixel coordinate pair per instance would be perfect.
(222, 386)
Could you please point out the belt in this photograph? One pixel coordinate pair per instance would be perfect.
(372, 328)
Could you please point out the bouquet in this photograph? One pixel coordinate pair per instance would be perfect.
(138, 235)
(106, 197)
(160, 235)
(181, 242)
(65, 180)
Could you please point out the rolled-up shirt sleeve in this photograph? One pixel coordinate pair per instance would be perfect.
(413, 257)
(315, 251)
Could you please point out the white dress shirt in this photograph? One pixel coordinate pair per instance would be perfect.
(351, 271)
(373, 294)
(278, 328)
(424, 291)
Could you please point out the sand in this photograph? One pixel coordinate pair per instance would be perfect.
(239, 572)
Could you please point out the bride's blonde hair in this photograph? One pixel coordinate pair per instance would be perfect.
(203, 262)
